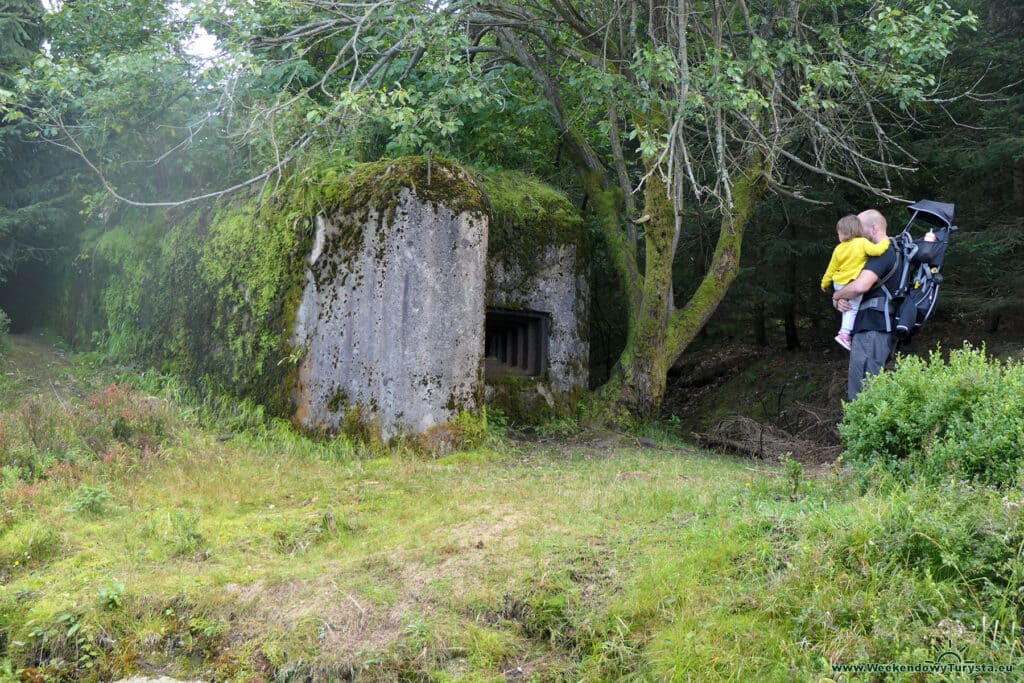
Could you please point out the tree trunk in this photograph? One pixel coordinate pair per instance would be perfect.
(792, 295)
(657, 338)
(657, 332)
(760, 325)
(689, 320)
(790, 317)
(789, 322)
(1018, 185)
(643, 366)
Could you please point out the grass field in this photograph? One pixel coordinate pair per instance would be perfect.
(142, 532)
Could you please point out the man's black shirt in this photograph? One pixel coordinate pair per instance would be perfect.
(879, 265)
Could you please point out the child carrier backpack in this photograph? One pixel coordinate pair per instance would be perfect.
(910, 299)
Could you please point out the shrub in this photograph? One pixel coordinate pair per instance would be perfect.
(932, 419)
(119, 413)
(91, 500)
(907, 568)
(186, 539)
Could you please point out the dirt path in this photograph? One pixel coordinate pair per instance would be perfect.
(32, 366)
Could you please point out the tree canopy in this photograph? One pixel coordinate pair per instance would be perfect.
(33, 203)
(674, 114)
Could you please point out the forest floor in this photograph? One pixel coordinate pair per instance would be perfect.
(763, 401)
(145, 532)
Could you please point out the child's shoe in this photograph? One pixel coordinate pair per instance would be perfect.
(844, 340)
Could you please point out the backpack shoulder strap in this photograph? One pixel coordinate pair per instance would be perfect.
(880, 297)
(880, 302)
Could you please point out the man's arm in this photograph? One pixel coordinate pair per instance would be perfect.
(865, 281)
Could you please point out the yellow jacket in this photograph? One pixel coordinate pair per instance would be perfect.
(848, 259)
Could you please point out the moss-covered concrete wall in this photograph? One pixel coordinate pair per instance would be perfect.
(537, 262)
(204, 294)
(392, 314)
(221, 294)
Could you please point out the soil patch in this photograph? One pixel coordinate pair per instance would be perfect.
(31, 366)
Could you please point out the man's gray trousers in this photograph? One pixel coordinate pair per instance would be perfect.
(868, 354)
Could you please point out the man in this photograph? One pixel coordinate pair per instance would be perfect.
(872, 344)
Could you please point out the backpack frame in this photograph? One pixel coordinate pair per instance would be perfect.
(910, 301)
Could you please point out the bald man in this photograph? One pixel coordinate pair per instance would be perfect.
(872, 344)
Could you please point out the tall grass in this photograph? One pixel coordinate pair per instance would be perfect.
(163, 529)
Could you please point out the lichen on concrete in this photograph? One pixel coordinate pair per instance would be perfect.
(391, 316)
(537, 261)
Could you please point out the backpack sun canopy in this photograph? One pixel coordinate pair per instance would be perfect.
(936, 213)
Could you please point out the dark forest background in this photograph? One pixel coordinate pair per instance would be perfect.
(968, 143)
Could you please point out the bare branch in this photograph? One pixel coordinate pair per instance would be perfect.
(838, 176)
(77, 149)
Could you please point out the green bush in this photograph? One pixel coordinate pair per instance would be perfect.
(936, 420)
(905, 569)
(91, 500)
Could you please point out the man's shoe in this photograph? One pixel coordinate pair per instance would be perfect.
(844, 340)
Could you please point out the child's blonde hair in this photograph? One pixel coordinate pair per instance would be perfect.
(849, 227)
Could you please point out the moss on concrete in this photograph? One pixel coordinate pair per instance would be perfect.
(526, 402)
(208, 294)
(527, 214)
(252, 264)
(378, 185)
(466, 431)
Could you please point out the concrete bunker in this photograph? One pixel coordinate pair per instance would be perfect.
(537, 297)
(428, 289)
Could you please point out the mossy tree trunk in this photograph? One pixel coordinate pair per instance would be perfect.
(638, 383)
(658, 332)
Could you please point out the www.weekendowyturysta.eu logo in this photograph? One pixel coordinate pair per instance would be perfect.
(948, 659)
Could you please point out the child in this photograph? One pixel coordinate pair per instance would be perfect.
(848, 259)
